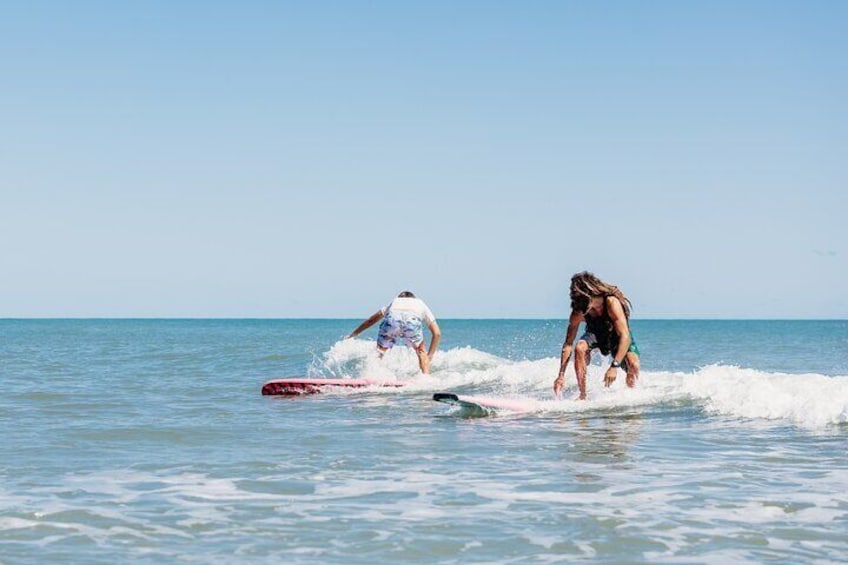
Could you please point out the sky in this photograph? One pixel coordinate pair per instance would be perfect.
(312, 159)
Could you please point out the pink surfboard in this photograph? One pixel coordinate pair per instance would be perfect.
(296, 386)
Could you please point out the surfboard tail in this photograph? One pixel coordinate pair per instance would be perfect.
(280, 388)
(297, 386)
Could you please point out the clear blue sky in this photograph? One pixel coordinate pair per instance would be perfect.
(311, 159)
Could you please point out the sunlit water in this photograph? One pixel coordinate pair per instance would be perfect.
(148, 441)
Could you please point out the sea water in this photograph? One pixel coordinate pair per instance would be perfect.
(148, 441)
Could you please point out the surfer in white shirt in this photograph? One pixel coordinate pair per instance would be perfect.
(403, 319)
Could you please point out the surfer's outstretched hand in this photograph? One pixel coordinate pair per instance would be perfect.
(559, 384)
(610, 376)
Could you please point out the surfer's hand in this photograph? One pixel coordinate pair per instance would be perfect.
(351, 336)
(559, 384)
(610, 376)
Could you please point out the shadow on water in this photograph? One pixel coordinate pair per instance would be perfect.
(603, 439)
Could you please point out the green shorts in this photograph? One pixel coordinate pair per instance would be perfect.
(590, 339)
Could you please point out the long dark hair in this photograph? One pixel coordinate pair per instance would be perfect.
(585, 286)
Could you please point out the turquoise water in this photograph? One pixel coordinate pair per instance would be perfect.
(148, 441)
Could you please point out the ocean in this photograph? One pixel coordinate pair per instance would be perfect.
(147, 441)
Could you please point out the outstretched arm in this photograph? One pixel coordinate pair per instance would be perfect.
(375, 317)
(437, 336)
(567, 347)
(619, 324)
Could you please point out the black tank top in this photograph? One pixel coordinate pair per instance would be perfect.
(603, 330)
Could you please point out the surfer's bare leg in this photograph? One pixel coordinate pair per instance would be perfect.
(582, 356)
(423, 358)
(632, 368)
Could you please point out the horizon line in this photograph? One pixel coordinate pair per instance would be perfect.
(329, 318)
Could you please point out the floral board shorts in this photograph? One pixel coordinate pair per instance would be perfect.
(397, 327)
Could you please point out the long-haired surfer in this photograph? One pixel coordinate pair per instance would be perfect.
(403, 319)
(606, 312)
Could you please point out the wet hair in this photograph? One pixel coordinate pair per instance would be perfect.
(406, 294)
(585, 286)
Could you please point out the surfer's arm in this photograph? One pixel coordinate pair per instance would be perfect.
(567, 347)
(434, 341)
(376, 317)
(619, 323)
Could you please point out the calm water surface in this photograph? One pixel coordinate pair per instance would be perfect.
(148, 441)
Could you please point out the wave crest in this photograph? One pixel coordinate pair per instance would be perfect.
(807, 400)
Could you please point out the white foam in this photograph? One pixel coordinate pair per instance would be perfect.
(390, 504)
(808, 400)
(805, 400)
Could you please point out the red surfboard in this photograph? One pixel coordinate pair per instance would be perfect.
(296, 386)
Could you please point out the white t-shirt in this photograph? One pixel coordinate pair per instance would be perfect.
(409, 307)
